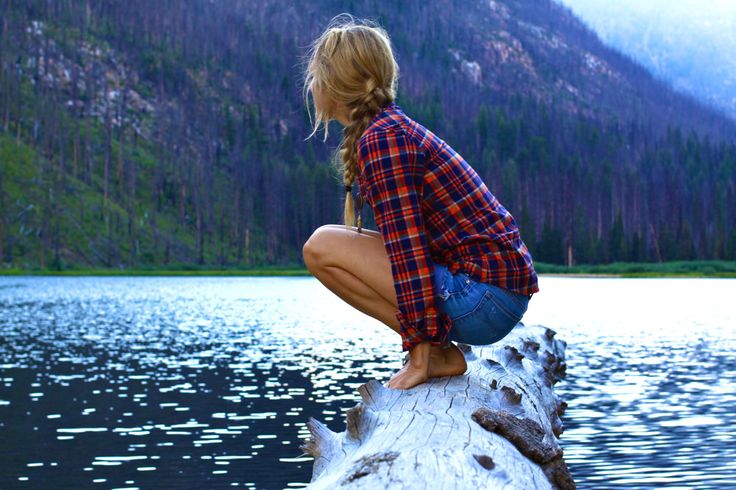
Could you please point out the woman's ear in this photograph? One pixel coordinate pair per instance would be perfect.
(330, 109)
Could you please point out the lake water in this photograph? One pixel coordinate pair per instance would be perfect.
(208, 382)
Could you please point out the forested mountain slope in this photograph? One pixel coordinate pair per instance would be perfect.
(138, 133)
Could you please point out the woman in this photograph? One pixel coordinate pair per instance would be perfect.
(447, 262)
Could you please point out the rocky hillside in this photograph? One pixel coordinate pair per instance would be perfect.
(138, 133)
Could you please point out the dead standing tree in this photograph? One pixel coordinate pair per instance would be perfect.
(496, 426)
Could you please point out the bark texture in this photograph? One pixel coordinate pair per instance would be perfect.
(496, 426)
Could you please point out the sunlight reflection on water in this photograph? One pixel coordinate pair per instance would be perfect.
(146, 381)
(651, 379)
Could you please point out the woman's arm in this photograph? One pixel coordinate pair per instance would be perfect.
(393, 170)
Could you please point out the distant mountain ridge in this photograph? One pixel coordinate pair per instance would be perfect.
(689, 44)
(134, 133)
(540, 48)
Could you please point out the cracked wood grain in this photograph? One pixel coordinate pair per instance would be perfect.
(496, 426)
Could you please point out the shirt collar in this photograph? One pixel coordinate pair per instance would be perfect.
(390, 112)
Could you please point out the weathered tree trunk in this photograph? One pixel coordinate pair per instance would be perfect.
(496, 426)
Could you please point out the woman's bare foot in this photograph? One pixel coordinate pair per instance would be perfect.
(448, 361)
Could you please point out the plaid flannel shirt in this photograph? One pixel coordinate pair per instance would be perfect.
(430, 205)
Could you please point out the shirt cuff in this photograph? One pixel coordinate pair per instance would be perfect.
(434, 327)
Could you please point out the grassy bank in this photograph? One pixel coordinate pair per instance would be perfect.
(162, 271)
(680, 268)
(698, 268)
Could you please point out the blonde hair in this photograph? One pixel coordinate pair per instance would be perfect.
(351, 63)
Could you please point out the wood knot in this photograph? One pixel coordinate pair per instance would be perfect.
(531, 345)
(485, 461)
(561, 407)
(549, 333)
(369, 464)
(494, 384)
(492, 362)
(528, 437)
(557, 428)
(514, 354)
(551, 358)
(511, 395)
(526, 434)
(561, 370)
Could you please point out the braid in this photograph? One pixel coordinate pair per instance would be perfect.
(364, 109)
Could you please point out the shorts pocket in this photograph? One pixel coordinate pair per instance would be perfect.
(473, 327)
(449, 284)
(488, 322)
(513, 308)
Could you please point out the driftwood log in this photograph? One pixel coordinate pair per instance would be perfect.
(496, 426)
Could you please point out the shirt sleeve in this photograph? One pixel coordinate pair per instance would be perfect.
(393, 174)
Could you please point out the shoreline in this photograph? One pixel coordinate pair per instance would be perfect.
(305, 273)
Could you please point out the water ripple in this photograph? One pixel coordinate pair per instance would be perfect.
(167, 381)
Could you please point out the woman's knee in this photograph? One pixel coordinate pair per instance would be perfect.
(315, 248)
(337, 245)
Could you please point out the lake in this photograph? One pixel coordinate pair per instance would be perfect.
(151, 382)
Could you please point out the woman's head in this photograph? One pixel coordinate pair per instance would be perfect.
(352, 74)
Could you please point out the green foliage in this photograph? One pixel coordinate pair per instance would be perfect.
(550, 247)
(505, 135)
(429, 109)
(693, 268)
(608, 184)
(618, 245)
(704, 268)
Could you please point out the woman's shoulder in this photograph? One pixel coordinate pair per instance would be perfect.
(397, 139)
(391, 132)
(406, 132)
(383, 127)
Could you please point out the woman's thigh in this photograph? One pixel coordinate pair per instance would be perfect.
(481, 313)
(362, 254)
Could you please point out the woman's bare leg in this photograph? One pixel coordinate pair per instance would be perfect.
(356, 267)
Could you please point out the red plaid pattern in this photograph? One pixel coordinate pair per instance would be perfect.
(431, 206)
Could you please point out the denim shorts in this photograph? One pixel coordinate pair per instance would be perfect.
(481, 313)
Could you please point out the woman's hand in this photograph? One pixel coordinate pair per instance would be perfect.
(415, 371)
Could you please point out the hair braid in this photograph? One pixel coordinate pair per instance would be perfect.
(353, 68)
(363, 111)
